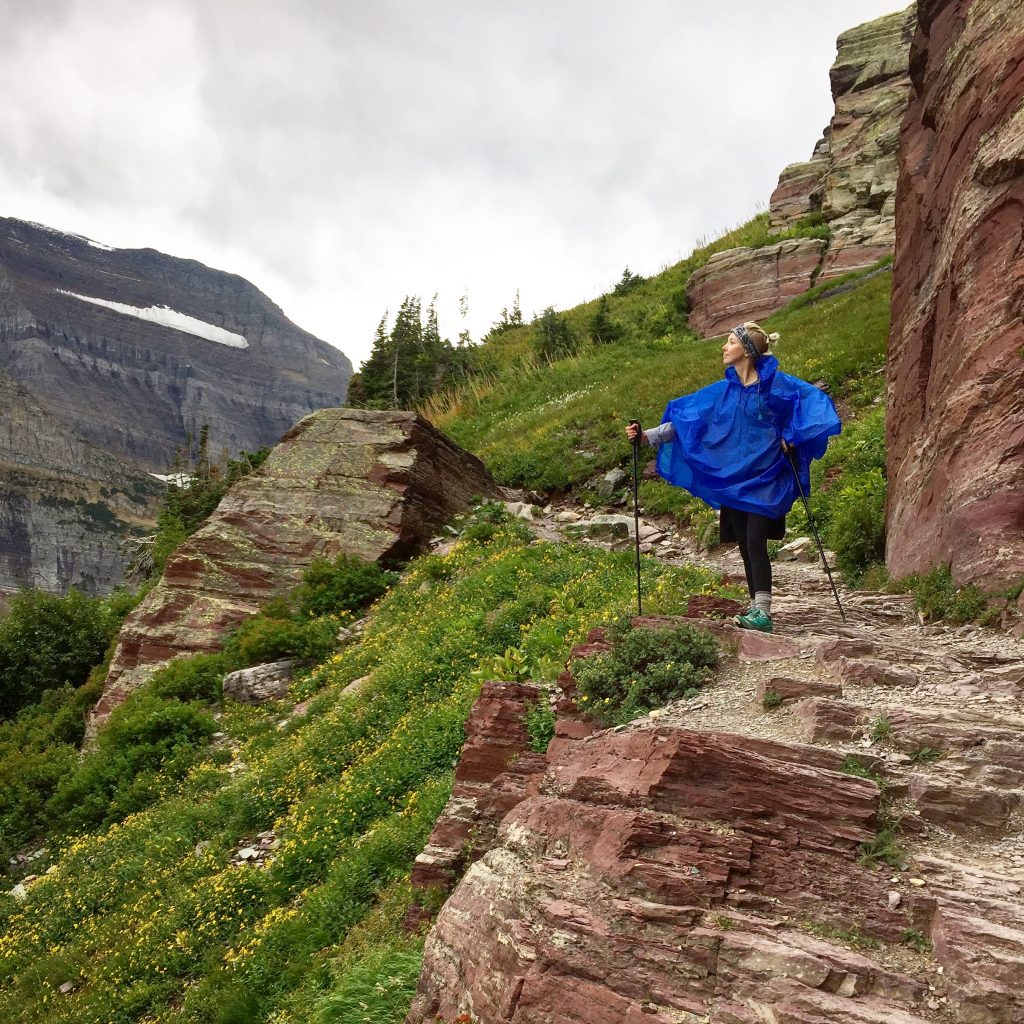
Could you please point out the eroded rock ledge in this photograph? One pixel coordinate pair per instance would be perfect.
(366, 483)
(662, 873)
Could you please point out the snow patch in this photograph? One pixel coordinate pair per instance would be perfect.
(178, 479)
(167, 317)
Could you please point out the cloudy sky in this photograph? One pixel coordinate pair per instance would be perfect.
(341, 155)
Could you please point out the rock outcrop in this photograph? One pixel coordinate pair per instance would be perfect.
(372, 484)
(670, 872)
(745, 284)
(955, 420)
(849, 182)
(870, 86)
(111, 357)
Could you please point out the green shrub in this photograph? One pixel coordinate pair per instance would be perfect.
(147, 743)
(540, 724)
(198, 678)
(262, 639)
(857, 528)
(38, 751)
(936, 596)
(645, 669)
(346, 584)
(48, 642)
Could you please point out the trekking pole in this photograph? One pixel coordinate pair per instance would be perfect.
(636, 512)
(814, 530)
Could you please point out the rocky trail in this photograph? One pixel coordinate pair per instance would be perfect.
(850, 849)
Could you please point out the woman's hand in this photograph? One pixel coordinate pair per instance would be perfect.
(632, 432)
(787, 447)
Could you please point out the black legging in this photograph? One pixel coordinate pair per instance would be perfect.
(751, 531)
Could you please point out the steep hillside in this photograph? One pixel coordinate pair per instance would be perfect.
(540, 425)
(119, 354)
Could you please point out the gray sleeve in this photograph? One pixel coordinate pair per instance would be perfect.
(660, 434)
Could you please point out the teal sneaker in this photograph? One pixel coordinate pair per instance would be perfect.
(755, 619)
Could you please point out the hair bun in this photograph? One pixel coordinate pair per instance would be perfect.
(773, 339)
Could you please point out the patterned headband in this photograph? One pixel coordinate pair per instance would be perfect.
(747, 342)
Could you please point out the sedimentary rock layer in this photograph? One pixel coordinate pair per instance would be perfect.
(955, 374)
(744, 284)
(849, 182)
(109, 357)
(372, 484)
(870, 86)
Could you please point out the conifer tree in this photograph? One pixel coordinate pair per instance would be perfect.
(603, 329)
(553, 337)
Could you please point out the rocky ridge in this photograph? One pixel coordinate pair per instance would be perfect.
(110, 357)
(353, 481)
(707, 863)
(850, 182)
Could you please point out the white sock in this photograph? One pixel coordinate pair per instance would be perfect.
(763, 600)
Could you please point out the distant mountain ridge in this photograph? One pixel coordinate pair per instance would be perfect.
(109, 357)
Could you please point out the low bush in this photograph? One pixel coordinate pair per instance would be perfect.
(645, 669)
(540, 724)
(47, 642)
(148, 742)
(262, 639)
(937, 596)
(346, 584)
(195, 679)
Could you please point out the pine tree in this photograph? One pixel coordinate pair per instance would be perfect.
(553, 336)
(603, 329)
(375, 373)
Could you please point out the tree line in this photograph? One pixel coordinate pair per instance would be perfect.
(410, 361)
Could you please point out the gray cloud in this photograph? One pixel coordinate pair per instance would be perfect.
(341, 155)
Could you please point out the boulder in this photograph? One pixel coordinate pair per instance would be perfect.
(748, 284)
(354, 481)
(261, 682)
(872, 672)
(954, 422)
(961, 806)
(788, 690)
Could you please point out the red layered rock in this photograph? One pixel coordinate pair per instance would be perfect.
(748, 284)
(801, 188)
(372, 484)
(652, 876)
(955, 423)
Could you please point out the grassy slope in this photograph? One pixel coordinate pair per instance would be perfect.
(148, 926)
(559, 424)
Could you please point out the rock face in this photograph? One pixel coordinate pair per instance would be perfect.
(630, 889)
(745, 284)
(110, 357)
(870, 85)
(65, 505)
(372, 484)
(955, 421)
(850, 182)
(661, 872)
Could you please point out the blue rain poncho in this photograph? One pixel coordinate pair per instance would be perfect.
(727, 445)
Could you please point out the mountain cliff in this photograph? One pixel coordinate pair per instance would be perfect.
(113, 356)
(955, 374)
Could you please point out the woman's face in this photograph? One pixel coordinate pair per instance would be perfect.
(733, 351)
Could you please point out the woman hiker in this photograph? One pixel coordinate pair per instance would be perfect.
(729, 445)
